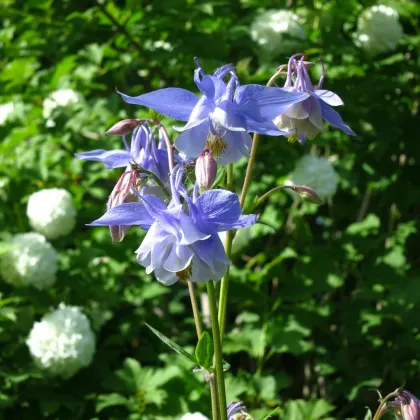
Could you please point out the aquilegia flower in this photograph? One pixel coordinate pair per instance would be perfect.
(182, 241)
(305, 119)
(221, 118)
(143, 151)
(406, 406)
(236, 410)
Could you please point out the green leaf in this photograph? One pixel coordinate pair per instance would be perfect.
(275, 411)
(368, 415)
(221, 171)
(172, 345)
(204, 350)
(110, 400)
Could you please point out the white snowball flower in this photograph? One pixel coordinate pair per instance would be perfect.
(277, 32)
(51, 212)
(31, 261)
(5, 111)
(316, 173)
(62, 342)
(378, 30)
(57, 99)
(194, 416)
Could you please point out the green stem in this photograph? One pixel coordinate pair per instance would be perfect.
(228, 249)
(218, 360)
(255, 140)
(249, 168)
(215, 409)
(225, 286)
(155, 178)
(196, 312)
(378, 413)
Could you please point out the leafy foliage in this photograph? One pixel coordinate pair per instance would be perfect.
(324, 301)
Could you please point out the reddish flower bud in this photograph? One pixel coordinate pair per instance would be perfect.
(205, 169)
(122, 193)
(307, 194)
(124, 127)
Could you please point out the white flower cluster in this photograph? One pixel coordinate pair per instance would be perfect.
(62, 342)
(378, 30)
(276, 32)
(57, 99)
(31, 261)
(51, 212)
(316, 173)
(194, 416)
(5, 111)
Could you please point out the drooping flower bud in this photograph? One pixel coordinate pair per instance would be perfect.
(122, 193)
(205, 169)
(124, 127)
(307, 194)
(407, 405)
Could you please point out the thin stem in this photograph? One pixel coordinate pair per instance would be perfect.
(263, 197)
(228, 249)
(379, 412)
(218, 360)
(214, 401)
(225, 286)
(254, 147)
(249, 168)
(229, 177)
(156, 179)
(196, 312)
(170, 150)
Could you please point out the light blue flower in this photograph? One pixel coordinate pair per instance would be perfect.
(182, 244)
(144, 151)
(305, 119)
(221, 119)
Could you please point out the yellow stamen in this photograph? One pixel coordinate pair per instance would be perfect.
(293, 138)
(185, 274)
(216, 144)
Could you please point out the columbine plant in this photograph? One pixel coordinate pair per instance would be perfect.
(184, 219)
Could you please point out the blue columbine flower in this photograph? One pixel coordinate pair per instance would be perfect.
(144, 152)
(221, 119)
(305, 119)
(182, 241)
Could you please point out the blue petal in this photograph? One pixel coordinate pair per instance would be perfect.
(190, 232)
(225, 114)
(110, 158)
(168, 278)
(202, 272)
(199, 114)
(212, 87)
(260, 103)
(238, 145)
(126, 214)
(193, 141)
(178, 259)
(219, 208)
(333, 117)
(268, 128)
(172, 102)
(329, 97)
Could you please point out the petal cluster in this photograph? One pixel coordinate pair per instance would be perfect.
(51, 212)
(182, 240)
(62, 342)
(304, 119)
(30, 261)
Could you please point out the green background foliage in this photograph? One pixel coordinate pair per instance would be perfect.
(322, 308)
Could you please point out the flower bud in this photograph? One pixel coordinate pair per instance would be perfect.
(205, 169)
(408, 404)
(307, 194)
(124, 127)
(122, 193)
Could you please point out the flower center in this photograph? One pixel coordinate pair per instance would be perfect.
(216, 144)
(293, 138)
(185, 274)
